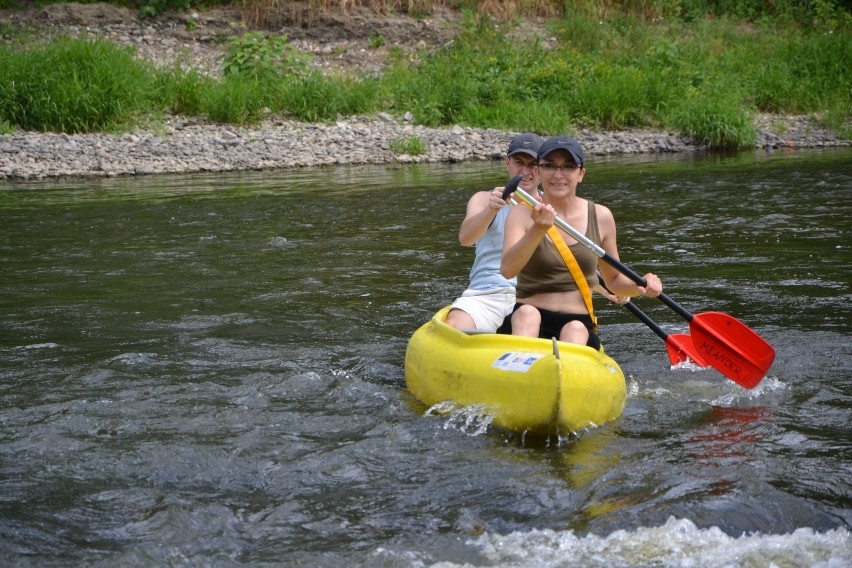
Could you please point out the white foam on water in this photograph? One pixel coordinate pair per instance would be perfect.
(50, 345)
(687, 365)
(677, 543)
(473, 420)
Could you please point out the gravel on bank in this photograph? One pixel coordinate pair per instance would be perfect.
(187, 146)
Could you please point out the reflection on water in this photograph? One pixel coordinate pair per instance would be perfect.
(208, 370)
(727, 436)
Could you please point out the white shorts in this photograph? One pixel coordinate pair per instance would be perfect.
(488, 308)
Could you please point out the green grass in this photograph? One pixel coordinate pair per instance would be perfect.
(71, 85)
(412, 145)
(315, 98)
(705, 77)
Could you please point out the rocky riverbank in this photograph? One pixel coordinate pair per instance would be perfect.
(184, 145)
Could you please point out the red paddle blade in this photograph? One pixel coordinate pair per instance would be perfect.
(731, 347)
(681, 348)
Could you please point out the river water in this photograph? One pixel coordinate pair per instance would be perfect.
(207, 370)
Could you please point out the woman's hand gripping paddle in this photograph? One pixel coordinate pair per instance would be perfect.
(724, 342)
(678, 345)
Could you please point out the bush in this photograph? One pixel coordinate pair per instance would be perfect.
(255, 54)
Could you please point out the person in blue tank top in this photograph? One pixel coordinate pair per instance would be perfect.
(490, 297)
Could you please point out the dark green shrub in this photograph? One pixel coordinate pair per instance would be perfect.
(257, 55)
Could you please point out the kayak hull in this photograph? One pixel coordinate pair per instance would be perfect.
(526, 384)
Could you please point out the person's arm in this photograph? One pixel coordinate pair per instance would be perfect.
(481, 210)
(525, 229)
(618, 283)
(620, 300)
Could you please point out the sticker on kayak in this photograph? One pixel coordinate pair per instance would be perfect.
(520, 362)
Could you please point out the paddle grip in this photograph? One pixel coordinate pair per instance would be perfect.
(511, 186)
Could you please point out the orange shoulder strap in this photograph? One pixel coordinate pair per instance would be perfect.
(576, 273)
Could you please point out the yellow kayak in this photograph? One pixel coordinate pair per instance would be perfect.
(527, 384)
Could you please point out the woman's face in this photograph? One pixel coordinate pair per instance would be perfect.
(559, 173)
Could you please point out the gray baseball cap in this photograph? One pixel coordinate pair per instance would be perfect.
(562, 143)
(526, 143)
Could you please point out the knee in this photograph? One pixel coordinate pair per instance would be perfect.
(525, 319)
(574, 332)
(460, 319)
(527, 314)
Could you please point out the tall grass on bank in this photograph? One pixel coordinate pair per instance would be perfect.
(70, 85)
(90, 85)
(705, 78)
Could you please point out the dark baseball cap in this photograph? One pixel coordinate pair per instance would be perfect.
(562, 143)
(526, 143)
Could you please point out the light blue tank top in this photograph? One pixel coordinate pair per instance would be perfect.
(485, 272)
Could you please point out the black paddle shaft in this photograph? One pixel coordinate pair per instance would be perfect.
(633, 275)
(634, 309)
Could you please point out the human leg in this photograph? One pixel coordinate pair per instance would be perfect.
(567, 327)
(526, 320)
(460, 319)
(574, 332)
(482, 310)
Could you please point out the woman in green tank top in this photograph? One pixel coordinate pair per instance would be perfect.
(549, 302)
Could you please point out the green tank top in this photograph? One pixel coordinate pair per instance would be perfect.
(547, 272)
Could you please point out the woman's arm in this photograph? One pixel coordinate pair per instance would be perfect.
(525, 229)
(617, 282)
